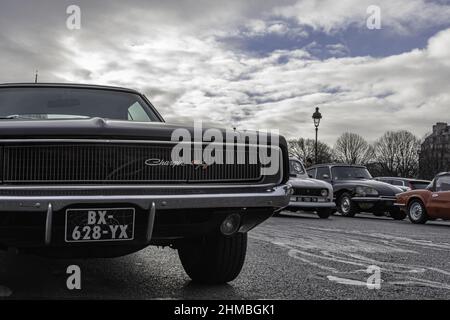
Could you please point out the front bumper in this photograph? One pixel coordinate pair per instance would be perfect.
(38, 221)
(276, 197)
(375, 203)
(312, 205)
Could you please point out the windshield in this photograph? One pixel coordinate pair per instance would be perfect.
(72, 103)
(420, 185)
(296, 167)
(347, 173)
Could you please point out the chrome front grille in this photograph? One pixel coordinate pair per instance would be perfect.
(78, 163)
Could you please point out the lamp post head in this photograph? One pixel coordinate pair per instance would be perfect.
(316, 117)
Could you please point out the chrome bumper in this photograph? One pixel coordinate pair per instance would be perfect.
(277, 197)
(374, 199)
(311, 205)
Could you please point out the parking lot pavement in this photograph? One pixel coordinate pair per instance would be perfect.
(289, 257)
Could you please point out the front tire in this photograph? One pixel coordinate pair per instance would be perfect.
(417, 212)
(346, 207)
(324, 213)
(214, 259)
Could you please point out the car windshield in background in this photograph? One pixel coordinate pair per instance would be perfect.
(296, 167)
(42, 103)
(443, 183)
(420, 185)
(347, 173)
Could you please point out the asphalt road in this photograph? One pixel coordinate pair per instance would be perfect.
(289, 257)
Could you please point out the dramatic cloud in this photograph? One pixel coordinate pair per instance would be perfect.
(244, 64)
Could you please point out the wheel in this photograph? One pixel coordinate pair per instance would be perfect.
(346, 207)
(214, 259)
(324, 213)
(378, 214)
(417, 212)
(397, 215)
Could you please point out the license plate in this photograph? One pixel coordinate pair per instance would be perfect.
(92, 225)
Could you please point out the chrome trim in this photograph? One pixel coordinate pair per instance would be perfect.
(121, 141)
(151, 222)
(48, 224)
(135, 186)
(276, 197)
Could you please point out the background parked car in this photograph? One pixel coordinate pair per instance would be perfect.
(405, 184)
(309, 194)
(431, 203)
(356, 191)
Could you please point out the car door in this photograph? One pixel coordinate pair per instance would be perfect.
(439, 204)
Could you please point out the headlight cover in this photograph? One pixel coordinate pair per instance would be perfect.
(324, 192)
(366, 191)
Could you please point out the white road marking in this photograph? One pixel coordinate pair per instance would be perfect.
(335, 250)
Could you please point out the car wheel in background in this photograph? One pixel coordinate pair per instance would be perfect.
(214, 259)
(378, 214)
(324, 213)
(417, 212)
(346, 207)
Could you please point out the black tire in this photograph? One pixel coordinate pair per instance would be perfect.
(324, 213)
(214, 259)
(417, 212)
(397, 215)
(378, 214)
(346, 207)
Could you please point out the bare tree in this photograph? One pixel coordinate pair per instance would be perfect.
(304, 149)
(351, 148)
(398, 153)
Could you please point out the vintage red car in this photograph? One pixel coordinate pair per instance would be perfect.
(429, 204)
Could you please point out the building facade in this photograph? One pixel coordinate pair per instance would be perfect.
(435, 151)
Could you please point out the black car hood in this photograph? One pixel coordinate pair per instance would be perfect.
(384, 189)
(92, 128)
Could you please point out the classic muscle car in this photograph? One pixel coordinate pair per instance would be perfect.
(88, 171)
(309, 194)
(355, 190)
(430, 203)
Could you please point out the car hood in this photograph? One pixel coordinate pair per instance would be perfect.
(93, 128)
(309, 183)
(383, 188)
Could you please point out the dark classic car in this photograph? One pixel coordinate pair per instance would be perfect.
(309, 194)
(355, 190)
(405, 184)
(88, 171)
(427, 204)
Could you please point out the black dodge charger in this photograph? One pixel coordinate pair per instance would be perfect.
(356, 191)
(88, 171)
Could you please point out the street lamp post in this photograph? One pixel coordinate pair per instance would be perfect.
(316, 117)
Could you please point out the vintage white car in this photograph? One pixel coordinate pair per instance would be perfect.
(309, 194)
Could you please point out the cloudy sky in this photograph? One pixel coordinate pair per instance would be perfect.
(250, 64)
